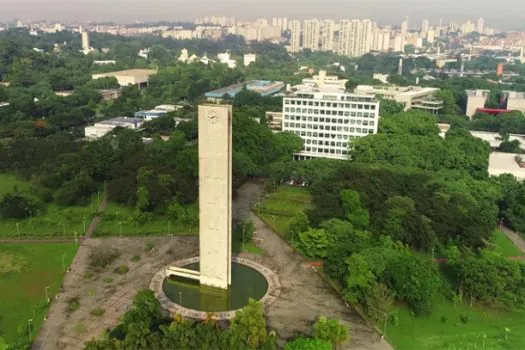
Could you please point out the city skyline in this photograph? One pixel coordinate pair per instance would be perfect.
(505, 15)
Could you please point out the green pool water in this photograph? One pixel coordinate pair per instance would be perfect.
(246, 283)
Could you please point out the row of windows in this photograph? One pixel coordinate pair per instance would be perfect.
(326, 135)
(325, 125)
(330, 112)
(329, 104)
(326, 150)
(326, 143)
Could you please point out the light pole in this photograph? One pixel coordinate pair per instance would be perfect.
(169, 228)
(18, 229)
(63, 262)
(243, 228)
(84, 221)
(180, 298)
(500, 224)
(29, 328)
(47, 295)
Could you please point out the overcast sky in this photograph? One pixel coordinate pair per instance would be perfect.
(501, 14)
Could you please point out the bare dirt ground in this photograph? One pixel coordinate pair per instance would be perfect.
(108, 290)
(304, 295)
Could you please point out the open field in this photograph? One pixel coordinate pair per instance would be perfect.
(25, 272)
(279, 208)
(444, 329)
(52, 221)
(117, 220)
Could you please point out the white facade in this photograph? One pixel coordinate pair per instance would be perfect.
(355, 37)
(328, 28)
(100, 129)
(476, 99)
(381, 40)
(324, 81)
(295, 40)
(249, 58)
(327, 120)
(85, 41)
(412, 97)
(312, 33)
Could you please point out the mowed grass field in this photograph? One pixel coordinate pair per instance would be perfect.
(25, 272)
(457, 327)
(53, 220)
(280, 207)
(449, 327)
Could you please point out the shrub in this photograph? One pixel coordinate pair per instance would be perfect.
(16, 206)
(121, 270)
(73, 304)
(97, 312)
(100, 259)
(108, 280)
(135, 258)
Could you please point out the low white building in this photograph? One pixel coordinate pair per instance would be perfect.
(505, 163)
(100, 129)
(323, 80)
(128, 77)
(225, 58)
(104, 62)
(274, 120)
(249, 58)
(412, 97)
(476, 99)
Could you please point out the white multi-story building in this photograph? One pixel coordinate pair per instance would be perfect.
(328, 119)
(381, 40)
(327, 35)
(424, 27)
(311, 35)
(295, 39)
(355, 37)
(404, 27)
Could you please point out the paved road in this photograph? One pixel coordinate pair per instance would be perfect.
(515, 237)
(304, 295)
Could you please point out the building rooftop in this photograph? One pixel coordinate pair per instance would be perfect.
(397, 90)
(129, 73)
(262, 87)
(505, 163)
(477, 93)
(120, 121)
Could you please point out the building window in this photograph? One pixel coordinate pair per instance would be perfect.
(285, 125)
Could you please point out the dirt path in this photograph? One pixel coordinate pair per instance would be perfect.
(305, 295)
(514, 237)
(96, 220)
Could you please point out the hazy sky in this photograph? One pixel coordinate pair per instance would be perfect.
(502, 13)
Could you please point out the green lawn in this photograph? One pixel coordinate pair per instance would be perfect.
(279, 208)
(444, 330)
(25, 272)
(504, 246)
(117, 220)
(54, 220)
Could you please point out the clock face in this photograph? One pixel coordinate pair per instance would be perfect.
(212, 117)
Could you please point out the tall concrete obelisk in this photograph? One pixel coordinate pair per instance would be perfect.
(215, 194)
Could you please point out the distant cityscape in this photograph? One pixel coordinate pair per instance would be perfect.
(349, 37)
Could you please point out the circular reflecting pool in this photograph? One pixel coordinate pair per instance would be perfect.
(246, 283)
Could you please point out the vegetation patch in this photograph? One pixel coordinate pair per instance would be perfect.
(135, 258)
(97, 312)
(11, 262)
(121, 270)
(99, 259)
(73, 304)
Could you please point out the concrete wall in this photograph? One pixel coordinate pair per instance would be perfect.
(215, 192)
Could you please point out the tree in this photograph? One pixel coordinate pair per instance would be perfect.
(360, 281)
(249, 324)
(303, 343)
(299, 223)
(330, 330)
(413, 279)
(314, 242)
(412, 122)
(357, 215)
(15, 206)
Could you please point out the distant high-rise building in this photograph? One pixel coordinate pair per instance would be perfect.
(467, 27)
(404, 27)
(424, 27)
(327, 35)
(85, 41)
(431, 35)
(355, 37)
(311, 34)
(295, 39)
(285, 24)
(480, 25)
(381, 40)
(274, 22)
(398, 43)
